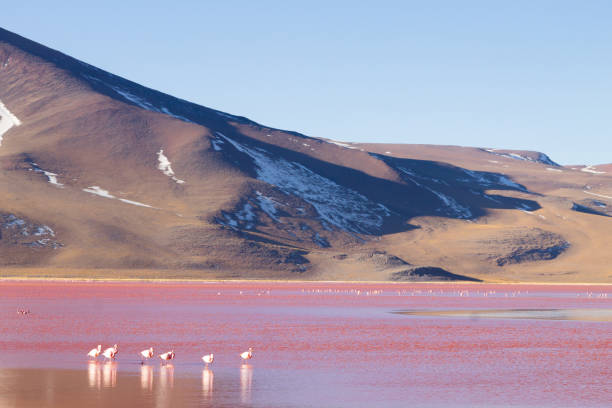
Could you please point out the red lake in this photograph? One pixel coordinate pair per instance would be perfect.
(314, 344)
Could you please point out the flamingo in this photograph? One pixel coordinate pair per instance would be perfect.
(208, 359)
(247, 355)
(167, 356)
(110, 352)
(146, 354)
(95, 352)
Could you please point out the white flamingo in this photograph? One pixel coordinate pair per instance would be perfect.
(110, 352)
(167, 356)
(208, 359)
(146, 354)
(247, 355)
(95, 352)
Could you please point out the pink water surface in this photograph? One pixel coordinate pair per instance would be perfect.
(315, 345)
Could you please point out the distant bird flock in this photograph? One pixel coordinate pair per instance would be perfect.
(110, 353)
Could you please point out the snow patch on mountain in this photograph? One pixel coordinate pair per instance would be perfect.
(267, 205)
(143, 103)
(129, 97)
(336, 205)
(28, 234)
(135, 99)
(541, 158)
(590, 169)
(410, 176)
(7, 120)
(11, 221)
(43, 230)
(345, 145)
(597, 195)
(134, 203)
(485, 196)
(448, 202)
(217, 144)
(320, 241)
(246, 214)
(491, 180)
(51, 177)
(226, 115)
(243, 218)
(457, 209)
(98, 191)
(166, 167)
(422, 177)
(228, 221)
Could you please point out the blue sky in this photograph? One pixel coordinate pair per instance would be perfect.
(517, 74)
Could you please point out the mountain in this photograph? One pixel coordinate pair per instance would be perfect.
(100, 176)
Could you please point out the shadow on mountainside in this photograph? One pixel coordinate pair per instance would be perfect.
(426, 188)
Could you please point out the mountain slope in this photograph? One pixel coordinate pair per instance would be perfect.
(100, 175)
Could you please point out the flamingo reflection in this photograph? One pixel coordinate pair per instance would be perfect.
(207, 383)
(166, 376)
(246, 381)
(109, 374)
(146, 377)
(164, 387)
(93, 375)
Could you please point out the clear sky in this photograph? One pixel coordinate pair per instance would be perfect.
(506, 74)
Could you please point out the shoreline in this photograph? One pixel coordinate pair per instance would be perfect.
(288, 281)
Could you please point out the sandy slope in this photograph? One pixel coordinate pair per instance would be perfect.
(135, 183)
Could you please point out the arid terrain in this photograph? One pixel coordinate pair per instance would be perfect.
(102, 177)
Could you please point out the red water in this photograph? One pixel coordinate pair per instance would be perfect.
(315, 344)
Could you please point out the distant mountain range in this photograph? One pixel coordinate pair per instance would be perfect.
(100, 176)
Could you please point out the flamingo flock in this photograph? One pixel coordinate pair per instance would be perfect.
(111, 352)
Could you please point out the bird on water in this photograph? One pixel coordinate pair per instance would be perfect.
(146, 354)
(208, 359)
(247, 355)
(167, 356)
(95, 352)
(110, 353)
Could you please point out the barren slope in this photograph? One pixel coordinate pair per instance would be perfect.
(101, 176)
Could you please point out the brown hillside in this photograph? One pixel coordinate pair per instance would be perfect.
(100, 176)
